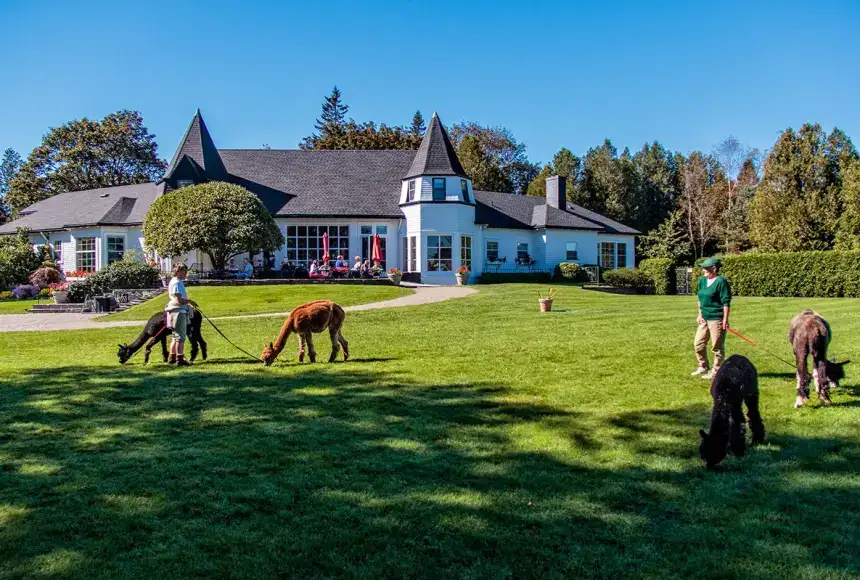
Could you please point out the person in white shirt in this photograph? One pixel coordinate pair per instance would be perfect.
(177, 314)
(314, 268)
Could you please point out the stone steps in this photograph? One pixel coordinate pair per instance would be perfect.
(53, 308)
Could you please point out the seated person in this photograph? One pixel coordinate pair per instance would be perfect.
(247, 270)
(286, 265)
(357, 265)
(315, 269)
(366, 270)
(339, 263)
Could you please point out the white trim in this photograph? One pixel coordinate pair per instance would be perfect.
(426, 248)
(109, 234)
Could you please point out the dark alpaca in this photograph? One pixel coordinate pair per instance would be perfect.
(809, 334)
(736, 382)
(155, 331)
(305, 320)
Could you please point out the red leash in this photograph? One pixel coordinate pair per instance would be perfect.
(742, 337)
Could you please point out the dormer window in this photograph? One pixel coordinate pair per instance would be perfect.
(180, 183)
(410, 190)
(438, 189)
(464, 187)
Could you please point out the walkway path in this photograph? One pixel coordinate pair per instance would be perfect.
(44, 322)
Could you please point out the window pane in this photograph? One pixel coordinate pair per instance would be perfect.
(432, 242)
(312, 231)
(446, 241)
(303, 231)
(366, 230)
(438, 189)
(291, 230)
(570, 251)
(344, 231)
(381, 230)
(622, 255)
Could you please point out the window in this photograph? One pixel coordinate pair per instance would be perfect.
(438, 189)
(464, 187)
(523, 251)
(622, 254)
(405, 254)
(492, 251)
(367, 242)
(413, 253)
(607, 255)
(85, 254)
(570, 251)
(115, 248)
(58, 253)
(410, 191)
(180, 183)
(466, 251)
(305, 243)
(439, 253)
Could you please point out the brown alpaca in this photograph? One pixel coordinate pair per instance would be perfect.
(305, 320)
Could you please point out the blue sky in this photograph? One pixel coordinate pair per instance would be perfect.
(555, 73)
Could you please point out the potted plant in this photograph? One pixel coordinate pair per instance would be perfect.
(395, 275)
(462, 276)
(546, 303)
(60, 292)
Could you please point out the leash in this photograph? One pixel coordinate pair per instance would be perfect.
(742, 337)
(234, 345)
(157, 334)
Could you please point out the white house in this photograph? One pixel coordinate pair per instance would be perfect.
(421, 203)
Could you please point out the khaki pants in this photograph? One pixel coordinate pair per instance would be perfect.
(712, 330)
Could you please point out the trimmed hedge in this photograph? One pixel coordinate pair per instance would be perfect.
(626, 278)
(124, 274)
(506, 278)
(661, 273)
(828, 274)
(570, 271)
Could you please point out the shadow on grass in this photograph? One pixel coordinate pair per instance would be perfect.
(332, 470)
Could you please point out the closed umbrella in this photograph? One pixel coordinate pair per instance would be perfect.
(325, 248)
(376, 253)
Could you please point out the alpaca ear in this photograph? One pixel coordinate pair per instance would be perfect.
(121, 345)
(271, 345)
(844, 363)
(703, 434)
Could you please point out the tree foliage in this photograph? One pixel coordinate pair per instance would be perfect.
(85, 154)
(501, 150)
(219, 219)
(18, 258)
(479, 166)
(10, 164)
(669, 240)
(848, 237)
(418, 127)
(367, 136)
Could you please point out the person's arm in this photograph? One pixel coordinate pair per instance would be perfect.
(726, 301)
(699, 320)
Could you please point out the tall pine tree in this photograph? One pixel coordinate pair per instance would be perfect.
(417, 128)
(332, 120)
(9, 167)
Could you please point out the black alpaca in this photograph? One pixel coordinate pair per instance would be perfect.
(809, 334)
(155, 331)
(736, 382)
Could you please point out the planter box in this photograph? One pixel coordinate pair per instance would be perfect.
(395, 279)
(61, 297)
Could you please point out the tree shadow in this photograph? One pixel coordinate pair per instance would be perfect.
(335, 470)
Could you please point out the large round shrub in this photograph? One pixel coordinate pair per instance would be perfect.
(661, 272)
(127, 274)
(571, 271)
(45, 276)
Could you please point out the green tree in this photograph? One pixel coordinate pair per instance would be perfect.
(484, 172)
(668, 240)
(798, 203)
(608, 183)
(537, 187)
(848, 236)
(85, 154)
(219, 219)
(736, 215)
(702, 201)
(657, 186)
(18, 258)
(418, 127)
(563, 163)
(331, 122)
(501, 149)
(9, 167)
(368, 136)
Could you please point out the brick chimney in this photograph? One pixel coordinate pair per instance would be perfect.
(556, 191)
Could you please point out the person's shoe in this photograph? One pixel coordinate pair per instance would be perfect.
(181, 362)
(171, 360)
(698, 371)
(709, 375)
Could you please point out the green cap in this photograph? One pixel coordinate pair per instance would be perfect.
(712, 262)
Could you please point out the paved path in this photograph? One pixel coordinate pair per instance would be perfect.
(44, 322)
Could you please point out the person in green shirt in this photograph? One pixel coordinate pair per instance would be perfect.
(715, 300)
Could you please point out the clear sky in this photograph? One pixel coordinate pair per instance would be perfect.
(557, 74)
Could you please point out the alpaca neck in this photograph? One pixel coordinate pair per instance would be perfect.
(281, 341)
(139, 342)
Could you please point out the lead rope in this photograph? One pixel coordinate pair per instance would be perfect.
(742, 337)
(234, 345)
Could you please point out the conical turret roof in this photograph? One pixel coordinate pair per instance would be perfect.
(436, 155)
(197, 145)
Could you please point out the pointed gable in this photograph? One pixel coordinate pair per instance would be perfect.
(197, 145)
(436, 155)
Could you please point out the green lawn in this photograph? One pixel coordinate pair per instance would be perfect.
(237, 300)
(473, 438)
(20, 306)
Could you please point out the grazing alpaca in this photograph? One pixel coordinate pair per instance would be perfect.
(808, 334)
(155, 331)
(736, 382)
(305, 320)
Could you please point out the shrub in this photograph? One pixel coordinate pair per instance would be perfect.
(626, 278)
(571, 271)
(794, 274)
(46, 292)
(504, 277)
(394, 272)
(6, 295)
(78, 274)
(90, 286)
(661, 273)
(18, 258)
(25, 291)
(463, 270)
(45, 276)
(128, 274)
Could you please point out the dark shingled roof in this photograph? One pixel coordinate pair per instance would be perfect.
(436, 155)
(120, 205)
(198, 146)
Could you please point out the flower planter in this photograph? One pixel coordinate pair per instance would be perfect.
(545, 304)
(395, 278)
(462, 279)
(61, 296)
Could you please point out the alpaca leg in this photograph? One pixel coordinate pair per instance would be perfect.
(802, 380)
(202, 345)
(164, 353)
(737, 430)
(344, 344)
(148, 349)
(312, 352)
(822, 385)
(335, 344)
(301, 348)
(194, 347)
(755, 422)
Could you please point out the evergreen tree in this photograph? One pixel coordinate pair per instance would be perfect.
(668, 240)
(355, 135)
(480, 167)
(9, 167)
(848, 236)
(537, 186)
(657, 186)
(417, 128)
(736, 216)
(332, 120)
(563, 163)
(607, 185)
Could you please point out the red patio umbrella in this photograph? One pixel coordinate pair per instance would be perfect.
(325, 248)
(376, 252)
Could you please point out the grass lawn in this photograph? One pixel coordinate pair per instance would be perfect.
(237, 300)
(473, 438)
(20, 306)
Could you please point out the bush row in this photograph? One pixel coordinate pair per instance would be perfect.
(794, 274)
(626, 278)
(125, 274)
(661, 275)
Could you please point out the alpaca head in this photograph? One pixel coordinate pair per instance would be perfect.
(836, 371)
(124, 353)
(269, 355)
(712, 449)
